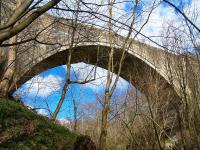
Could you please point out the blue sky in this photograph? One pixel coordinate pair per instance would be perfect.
(44, 90)
(128, 7)
(162, 15)
(181, 4)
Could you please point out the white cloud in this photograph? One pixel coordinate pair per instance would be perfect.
(84, 71)
(42, 86)
(42, 112)
(160, 16)
(164, 16)
(64, 122)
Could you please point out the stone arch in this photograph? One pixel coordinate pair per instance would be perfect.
(139, 71)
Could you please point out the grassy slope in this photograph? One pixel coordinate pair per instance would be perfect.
(21, 128)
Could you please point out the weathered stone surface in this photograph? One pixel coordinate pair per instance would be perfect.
(141, 61)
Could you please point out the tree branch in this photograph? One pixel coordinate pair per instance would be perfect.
(177, 9)
(15, 30)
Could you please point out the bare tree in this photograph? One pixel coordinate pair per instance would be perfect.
(73, 43)
(125, 47)
(21, 16)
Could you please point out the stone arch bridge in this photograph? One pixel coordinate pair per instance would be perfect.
(144, 66)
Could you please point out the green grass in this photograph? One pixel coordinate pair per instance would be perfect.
(21, 128)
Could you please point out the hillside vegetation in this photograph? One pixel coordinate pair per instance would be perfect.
(24, 129)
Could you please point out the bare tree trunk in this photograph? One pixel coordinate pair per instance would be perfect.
(106, 104)
(68, 65)
(109, 92)
(104, 122)
(154, 125)
(65, 87)
(75, 115)
(9, 69)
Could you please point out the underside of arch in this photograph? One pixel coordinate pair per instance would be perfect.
(135, 70)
